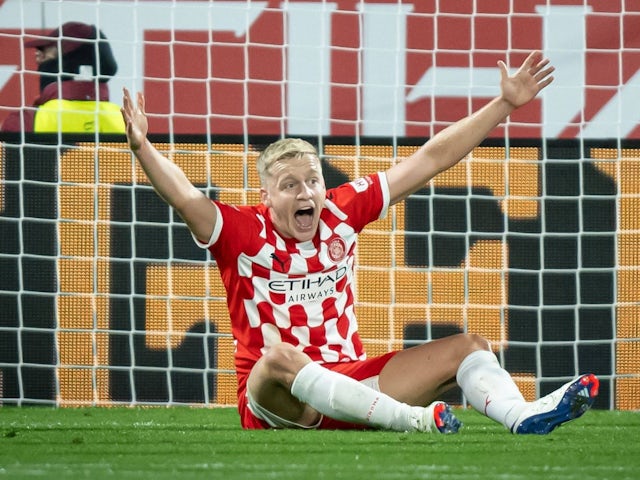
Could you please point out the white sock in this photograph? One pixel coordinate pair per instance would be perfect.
(489, 388)
(343, 398)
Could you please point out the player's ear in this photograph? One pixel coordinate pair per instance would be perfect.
(264, 197)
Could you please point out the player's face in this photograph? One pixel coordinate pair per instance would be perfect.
(294, 193)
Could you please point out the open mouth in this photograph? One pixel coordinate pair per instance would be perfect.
(304, 218)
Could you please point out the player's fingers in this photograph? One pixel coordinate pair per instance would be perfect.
(504, 71)
(543, 63)
(123, 111)
(545, 82)
(127, 105)
(531, 63)
(540, 76)
(531, 59)
(126, 97)
(539, 66)
(141, 102)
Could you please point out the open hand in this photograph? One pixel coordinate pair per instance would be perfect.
(533, 75)
(135, 119)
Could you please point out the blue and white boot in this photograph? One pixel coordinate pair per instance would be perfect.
(436, 418)
(567, 403)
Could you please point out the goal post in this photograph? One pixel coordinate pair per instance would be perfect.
(112, 303)
(531, 241)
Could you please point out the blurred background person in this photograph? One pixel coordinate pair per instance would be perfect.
(75, 63)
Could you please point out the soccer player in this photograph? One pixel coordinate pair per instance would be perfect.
(287, 266)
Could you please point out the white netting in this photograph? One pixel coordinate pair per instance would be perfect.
(532, 241)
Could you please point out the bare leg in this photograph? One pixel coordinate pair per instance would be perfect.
(422, 374)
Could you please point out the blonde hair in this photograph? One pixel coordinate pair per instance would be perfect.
(282, 150)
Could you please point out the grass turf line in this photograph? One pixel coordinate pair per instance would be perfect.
(192, 443)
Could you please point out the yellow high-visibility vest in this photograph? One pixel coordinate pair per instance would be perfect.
(78, 116)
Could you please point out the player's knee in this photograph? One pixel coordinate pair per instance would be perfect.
(283, 361)
(475, 342)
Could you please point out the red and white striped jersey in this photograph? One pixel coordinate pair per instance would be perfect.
(302, 293)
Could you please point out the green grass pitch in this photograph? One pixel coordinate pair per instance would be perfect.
(193, 443)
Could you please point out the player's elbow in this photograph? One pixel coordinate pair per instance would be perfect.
(198, 212)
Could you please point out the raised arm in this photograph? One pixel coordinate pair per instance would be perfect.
(167, 178)
(455, 142)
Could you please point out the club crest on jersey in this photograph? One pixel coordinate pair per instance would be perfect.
(337, 249)
(361, 184)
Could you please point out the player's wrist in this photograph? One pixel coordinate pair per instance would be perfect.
(140, 147)
(505, 106)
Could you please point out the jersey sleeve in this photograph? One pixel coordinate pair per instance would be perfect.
(217, 228)
(233, 231)
(362, 201)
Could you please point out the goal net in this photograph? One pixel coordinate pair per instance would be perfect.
(531, 241)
